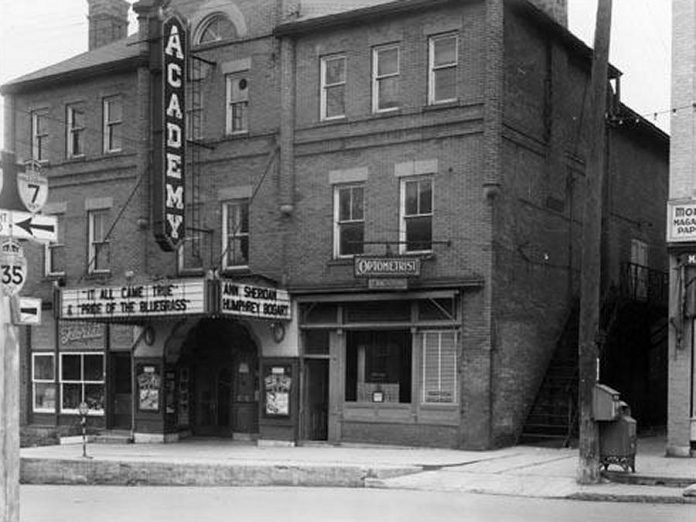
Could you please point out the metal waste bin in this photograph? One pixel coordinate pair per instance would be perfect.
(618, 438)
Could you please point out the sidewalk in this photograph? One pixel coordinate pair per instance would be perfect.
(520, 470)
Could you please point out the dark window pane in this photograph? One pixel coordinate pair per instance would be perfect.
(94, 396)
(357, 206)
(419, 233)
(45, 396)
(445, 50)
(352, 237)
(316, 342)
(426, 198)
(335, 71)
(446, 84)
(72, 396)
(71, 368)
(388, 93)
(335, 103)
(43, 367)
(388, 61)
(93, 367)
(411, 198)
(344, 204)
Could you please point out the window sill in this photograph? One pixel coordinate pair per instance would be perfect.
(433, 106)
(335, 119)
(94, 276)
(235, 135)
(340, 261)
(75, 159)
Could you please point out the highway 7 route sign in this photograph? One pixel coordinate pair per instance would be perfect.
(25, 225)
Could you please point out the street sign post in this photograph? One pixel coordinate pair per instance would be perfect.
(26, 310)
(25, 225)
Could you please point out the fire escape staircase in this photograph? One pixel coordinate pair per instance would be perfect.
(553, 418)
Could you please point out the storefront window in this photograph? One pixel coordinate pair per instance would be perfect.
(378, 367)
(439, 372)
(82, 379)
(43, 375)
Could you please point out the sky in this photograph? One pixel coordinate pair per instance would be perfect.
(37, 33)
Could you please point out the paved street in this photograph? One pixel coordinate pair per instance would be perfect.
(155, 504)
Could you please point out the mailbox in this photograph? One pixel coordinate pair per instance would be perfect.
(605, 403)
(617, 442)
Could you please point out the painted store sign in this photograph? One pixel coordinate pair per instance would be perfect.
(681, 222)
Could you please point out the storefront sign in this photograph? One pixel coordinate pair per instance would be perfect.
(681, 222)
(168, 298)
(396, 266)
(81, 333)
(254, 301)
(277, 383)
(149, 382)
(169, 170)
(387, 284)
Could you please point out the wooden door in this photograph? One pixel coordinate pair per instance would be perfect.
(316, 399)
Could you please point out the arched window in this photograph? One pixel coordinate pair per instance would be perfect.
(217, 28)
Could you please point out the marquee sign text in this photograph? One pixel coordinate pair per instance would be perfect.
(170, 156)
(254, 301)
(167, 298)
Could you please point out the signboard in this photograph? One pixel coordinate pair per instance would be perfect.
(25, 225)
(277, 383)
(388, 283)
(26, 310)
(681, 222)
(390, 266)
(149, 381)
(168, 298)
(254, 301)
(13, 268)
(32, 186)
(170, 157)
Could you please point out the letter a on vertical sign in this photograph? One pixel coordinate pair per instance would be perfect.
(170, 155)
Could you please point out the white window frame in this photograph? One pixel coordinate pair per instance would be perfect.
(39, 135)
(455, 365)
(111, 126)
(337, 217)
(192, 236)
(82, 381)
(228, 236)
(92, 258)
(403, 218)
(432, 68)
(237, 104)
(35, 381)
(325, 87)
(72, 131)
(377, 79)
(49, 269)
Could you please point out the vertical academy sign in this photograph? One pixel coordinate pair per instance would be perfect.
(170, 156)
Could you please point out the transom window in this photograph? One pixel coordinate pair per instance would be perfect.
(385, 78)
(113, 122)
(333, 87)
(75, 131)
(442, 84)
(82, 380)
(43, 375)
(349, 220)
(416, 215)
(235, 233)
(39, 135)
(216, 29)
(99, 251)
(237, 104)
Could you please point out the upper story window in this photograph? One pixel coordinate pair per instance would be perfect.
(113, 123)
(190, 258)
(385, 78)
(39, 135)
(333, 87)
(99, 250)
(237, 104)
(215, 29)
(54, 253)
(75, 131)
(442, 68)
(416, 230)
(194, 101)
(235, 233)
(349, 220)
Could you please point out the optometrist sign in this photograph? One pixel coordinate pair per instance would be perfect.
(170, 156)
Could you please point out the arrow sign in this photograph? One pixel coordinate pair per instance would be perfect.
(26, 310)
(25, 225)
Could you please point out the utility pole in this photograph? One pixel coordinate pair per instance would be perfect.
(590, 277)
(9, 415)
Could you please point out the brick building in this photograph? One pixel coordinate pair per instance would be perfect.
(383, 206)
(682, 240)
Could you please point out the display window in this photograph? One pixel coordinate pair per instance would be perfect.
(82, 380)
(43, 382)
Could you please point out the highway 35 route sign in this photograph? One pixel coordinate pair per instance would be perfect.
(13, 268)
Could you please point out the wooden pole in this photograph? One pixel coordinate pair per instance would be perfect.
(590, 278)
(9, 415)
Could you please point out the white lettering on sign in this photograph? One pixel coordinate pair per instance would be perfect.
(171, 298)
(681, 222)
(169, 225)
(13, 268)
(254, 301)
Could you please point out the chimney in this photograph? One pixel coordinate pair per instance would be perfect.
(108, 21)
(556, 9)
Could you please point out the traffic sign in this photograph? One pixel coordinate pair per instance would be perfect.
(25, 225)
(13, 268)
(32, 186)
(26, 310)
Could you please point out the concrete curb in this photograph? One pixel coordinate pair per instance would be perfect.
(636, 498)
(141, 473)
(648, 480)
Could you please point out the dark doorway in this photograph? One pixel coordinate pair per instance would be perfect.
(121, 382)
(317, 399)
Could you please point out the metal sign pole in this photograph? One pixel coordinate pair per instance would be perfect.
(9, 415)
